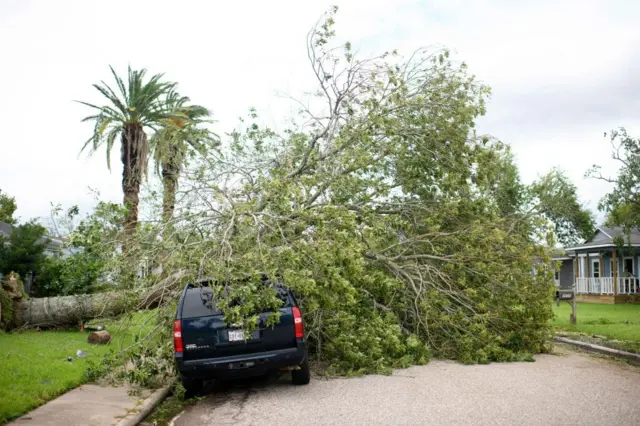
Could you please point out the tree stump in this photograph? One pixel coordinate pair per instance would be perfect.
(13, 286)
(99, 337)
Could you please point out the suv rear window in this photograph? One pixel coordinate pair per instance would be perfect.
(197, 302)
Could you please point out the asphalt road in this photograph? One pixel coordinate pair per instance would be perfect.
(565, 389)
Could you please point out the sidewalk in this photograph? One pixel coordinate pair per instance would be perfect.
(87, 405)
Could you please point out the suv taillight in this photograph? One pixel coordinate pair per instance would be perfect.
(177, 336)
(297, 322)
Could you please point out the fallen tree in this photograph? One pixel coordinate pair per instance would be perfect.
(69, 310)
(403, 232)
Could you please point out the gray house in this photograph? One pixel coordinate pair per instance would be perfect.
(602, 271)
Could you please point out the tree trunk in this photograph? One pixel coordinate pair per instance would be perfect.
(135, 151)
(69, 310)
(64, 310)
(170, 173)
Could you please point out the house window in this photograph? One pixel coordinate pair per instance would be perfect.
(596, 269)
(556, 276)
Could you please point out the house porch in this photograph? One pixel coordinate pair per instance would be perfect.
(608, 275)
(603, 269)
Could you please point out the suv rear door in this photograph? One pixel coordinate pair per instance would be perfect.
(205, 334)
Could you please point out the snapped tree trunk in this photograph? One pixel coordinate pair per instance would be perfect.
(69, 310)
(135, 151)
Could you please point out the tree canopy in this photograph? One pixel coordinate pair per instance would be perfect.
(622, 204)
(8, 207)
(23, 250)
(91, 247)
(556, 199)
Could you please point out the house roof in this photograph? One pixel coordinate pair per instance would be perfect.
(560, 254)
(605, 236)
(634, 234)
(561, 258)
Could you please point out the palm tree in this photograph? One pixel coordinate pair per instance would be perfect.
(181, 134)
(137, 107)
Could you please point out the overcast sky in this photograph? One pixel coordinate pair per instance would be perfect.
(562, 73)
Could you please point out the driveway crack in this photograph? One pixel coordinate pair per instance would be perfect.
(243, 401)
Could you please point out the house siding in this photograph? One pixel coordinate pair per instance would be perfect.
(566, 274)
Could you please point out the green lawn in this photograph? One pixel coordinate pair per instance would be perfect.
(615, 322)
(34, 367)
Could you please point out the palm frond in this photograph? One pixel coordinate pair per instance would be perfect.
(84, 146)
(110, 94)
(180, 131)
(133, 83)
(103, 126)
(104, 110)
(138, 101)
(111, 137)
(89, 105)
(90, 118)
(95, 138)
(197, 111)
(120, 84)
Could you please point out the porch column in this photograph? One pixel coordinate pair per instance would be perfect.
(588, 273)
(601, 272)
(614, 274)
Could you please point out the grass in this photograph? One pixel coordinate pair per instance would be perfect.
(34, 366)
(614, 322)
(169, 408)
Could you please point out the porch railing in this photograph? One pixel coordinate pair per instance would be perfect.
(605, 285)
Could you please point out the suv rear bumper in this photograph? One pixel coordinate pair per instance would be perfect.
(242, 365)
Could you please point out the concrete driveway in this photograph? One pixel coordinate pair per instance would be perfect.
(565, 389)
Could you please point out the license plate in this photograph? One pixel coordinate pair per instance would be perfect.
(236, 335)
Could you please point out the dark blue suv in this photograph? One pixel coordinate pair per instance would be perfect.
(207, 348)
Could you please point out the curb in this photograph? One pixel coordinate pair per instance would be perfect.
(133, 418)
(629, 356)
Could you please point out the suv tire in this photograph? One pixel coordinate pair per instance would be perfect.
(192, 386)
(302, 376)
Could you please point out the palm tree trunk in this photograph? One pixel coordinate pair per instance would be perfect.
(170, 173)
(169, 181)
(135, 151)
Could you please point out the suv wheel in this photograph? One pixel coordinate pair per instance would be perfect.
(302, 376)
(192, 386)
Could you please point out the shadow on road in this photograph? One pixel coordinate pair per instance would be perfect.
(226, 387)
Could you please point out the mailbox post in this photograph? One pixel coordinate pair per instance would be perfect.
(568, 296)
